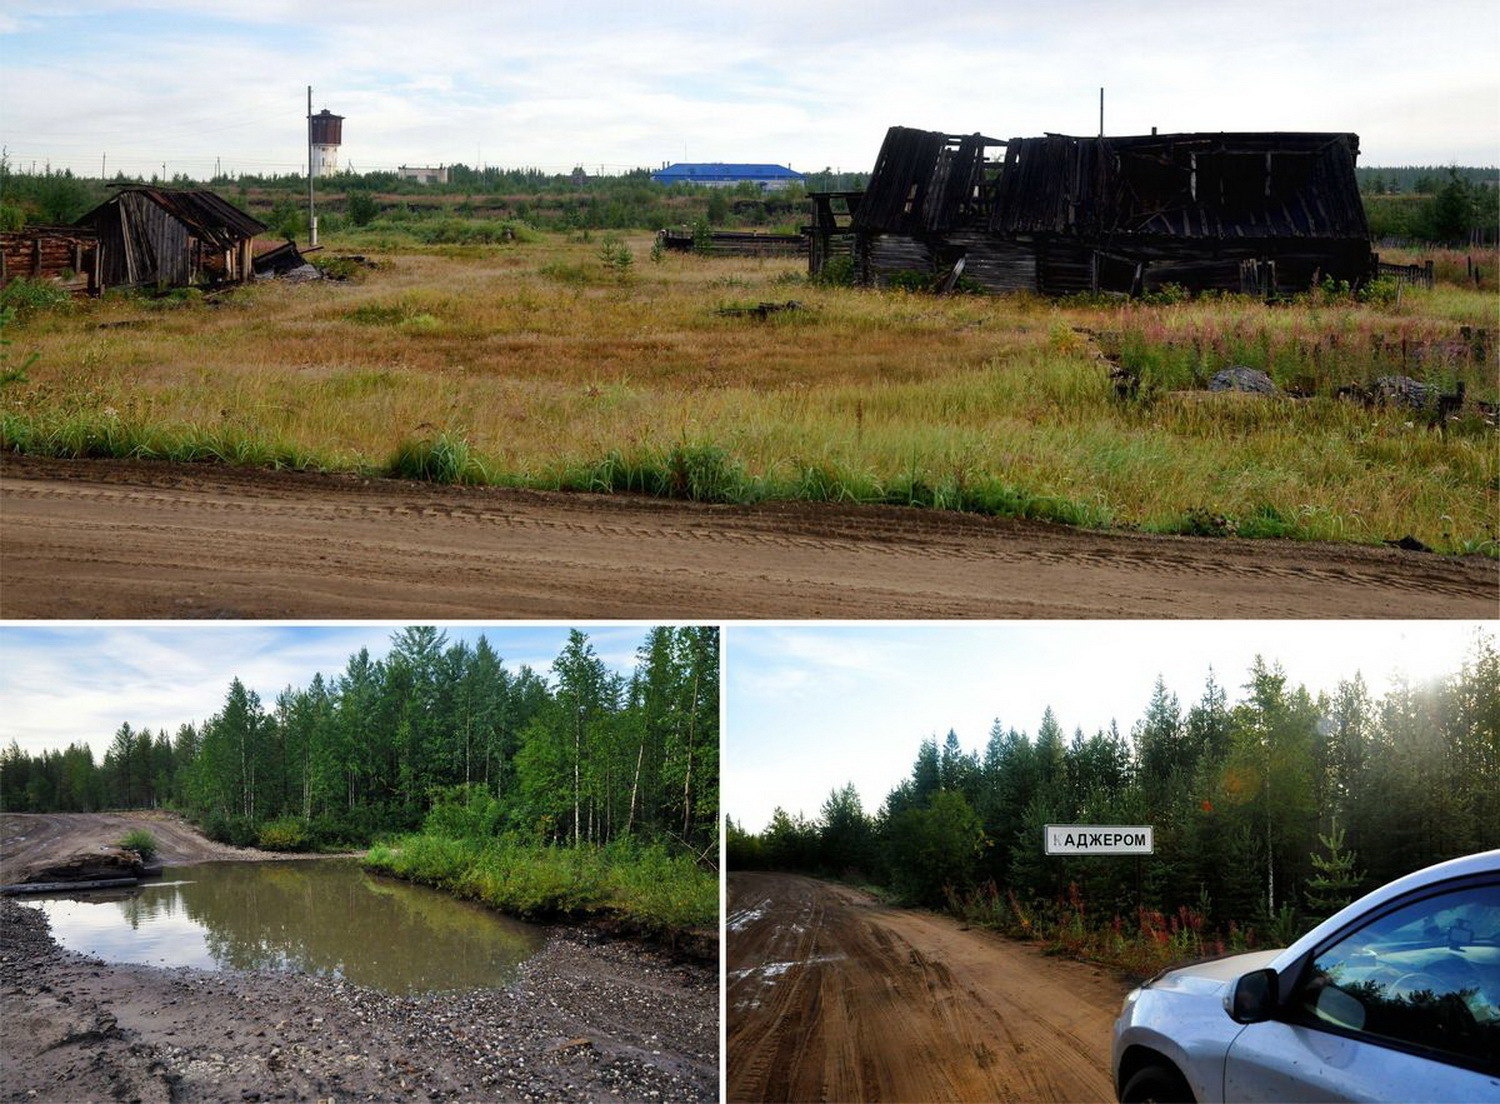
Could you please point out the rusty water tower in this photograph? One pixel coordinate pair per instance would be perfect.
(325, 132)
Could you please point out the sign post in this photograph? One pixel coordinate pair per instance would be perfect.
(1098, 839)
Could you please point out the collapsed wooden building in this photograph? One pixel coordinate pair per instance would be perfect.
(171, 238)
(1262, 213)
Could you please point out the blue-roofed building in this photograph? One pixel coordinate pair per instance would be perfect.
(719, 174)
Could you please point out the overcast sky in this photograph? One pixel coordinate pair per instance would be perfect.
(810, 708)
(810, 83)
(62, 685)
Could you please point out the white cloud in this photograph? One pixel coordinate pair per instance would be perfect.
(811, 83)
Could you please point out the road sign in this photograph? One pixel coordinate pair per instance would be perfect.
(1098, 839)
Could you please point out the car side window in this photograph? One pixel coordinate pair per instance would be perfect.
(1425, 975)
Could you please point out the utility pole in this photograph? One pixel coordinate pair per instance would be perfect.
(312, 218)
(1101, 112)
(102, 158)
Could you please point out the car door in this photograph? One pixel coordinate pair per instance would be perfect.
(1405, 1005)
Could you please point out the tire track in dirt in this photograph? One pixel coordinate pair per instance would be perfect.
(136, 539)
(834, 996)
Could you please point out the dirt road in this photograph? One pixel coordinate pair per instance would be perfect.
(834, 996)
(133, 539)
(27, 839)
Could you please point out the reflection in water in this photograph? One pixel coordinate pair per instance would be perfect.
(316, 916)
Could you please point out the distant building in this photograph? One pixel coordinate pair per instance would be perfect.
(718, 174)
(325, 133)
(424, 174)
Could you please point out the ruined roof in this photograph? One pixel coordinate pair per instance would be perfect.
(924, 181)
(1211, 186)
(208, 215)
(1225, 186)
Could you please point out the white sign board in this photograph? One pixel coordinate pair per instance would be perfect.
(1098, 839)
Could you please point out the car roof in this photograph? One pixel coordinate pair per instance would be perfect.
(1484, 862)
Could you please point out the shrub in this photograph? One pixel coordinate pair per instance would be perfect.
(362, 208)
(237, 831)
(26, 297)
(837, 272)
(142, 842)
(286, 834)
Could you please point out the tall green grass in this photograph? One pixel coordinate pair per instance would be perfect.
(709, 473)
(646, 886)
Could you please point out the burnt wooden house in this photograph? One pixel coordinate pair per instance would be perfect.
(1271, 212)
(168, 237)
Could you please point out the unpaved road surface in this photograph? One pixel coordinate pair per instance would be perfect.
(587, 1019)
(29, 839)
(833, 996)
(130, 539)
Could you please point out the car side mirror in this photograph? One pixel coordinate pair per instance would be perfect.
(1252, 999)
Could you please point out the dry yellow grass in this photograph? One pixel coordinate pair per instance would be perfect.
(543, 360)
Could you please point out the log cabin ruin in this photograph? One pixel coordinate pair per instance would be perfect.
(67, 254)
(171, 238)
(1263, 213)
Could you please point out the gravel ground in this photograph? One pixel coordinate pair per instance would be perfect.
(589, 1018)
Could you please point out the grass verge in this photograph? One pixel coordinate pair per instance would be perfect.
(641, 889)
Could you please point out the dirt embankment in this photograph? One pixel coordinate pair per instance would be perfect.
(31, 840)
(133, 539)
(588, 1019)
(832, 995)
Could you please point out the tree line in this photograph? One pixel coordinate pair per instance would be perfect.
(583, 757)
(1285, 804)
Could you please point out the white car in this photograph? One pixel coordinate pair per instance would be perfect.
(1396, 997)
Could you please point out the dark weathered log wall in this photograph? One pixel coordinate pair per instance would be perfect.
(50, 253)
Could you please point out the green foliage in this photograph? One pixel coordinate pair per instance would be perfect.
(702, 237)
(142, 842)
(1336, 882)
(935, 848)
(648, 887)
(837, 272)
(24, 297)
(441, 459)
(718, 207)
(615, 255)
(12, 217)
(361, 207)
(908, 279)
(283, 834)
(465, 813)
(1454, 210)
(287, 219)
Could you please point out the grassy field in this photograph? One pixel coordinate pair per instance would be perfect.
(549, 361)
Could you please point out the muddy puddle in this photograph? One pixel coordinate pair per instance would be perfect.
(315, 916)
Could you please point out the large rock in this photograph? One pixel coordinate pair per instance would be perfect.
(1237, 377)
(86, 866)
